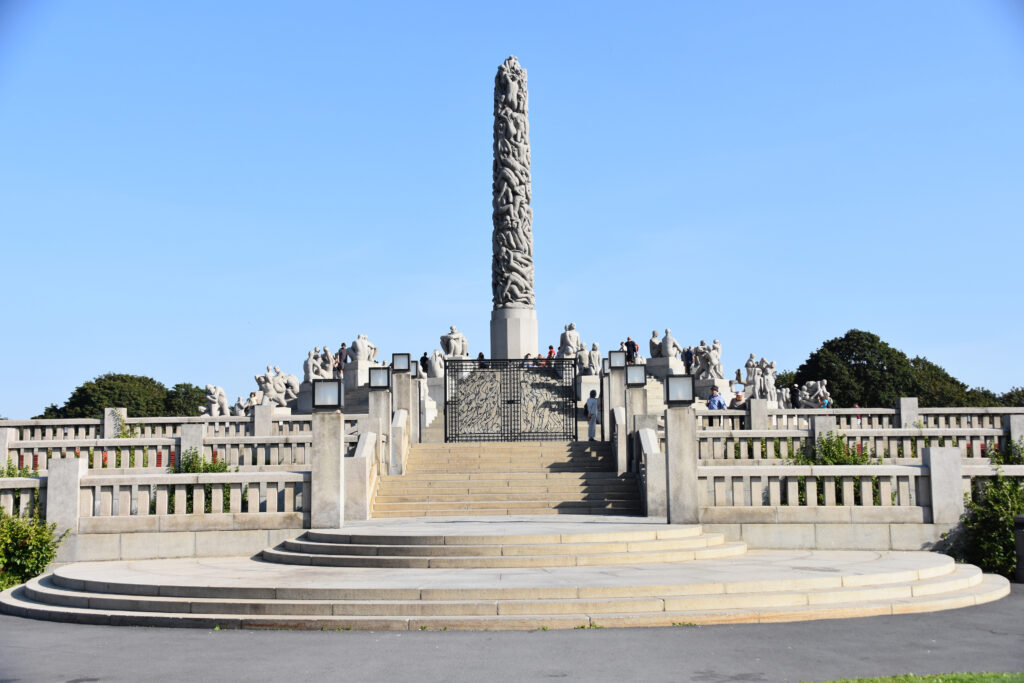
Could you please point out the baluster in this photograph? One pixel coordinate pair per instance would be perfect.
(721, 498)
(885, 491)
(161, 498)
(866, 494)
(774, 492)
(738, 486)
(180, 499)
(829, 482)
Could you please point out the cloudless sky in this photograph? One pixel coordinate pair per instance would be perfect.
(192, 190)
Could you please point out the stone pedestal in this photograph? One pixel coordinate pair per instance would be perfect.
(304, 403)
(585, 384)
(513, 333)
(702, 388)
(357, 373)
(663, 367)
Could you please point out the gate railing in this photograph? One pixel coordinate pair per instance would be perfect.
(510, 400)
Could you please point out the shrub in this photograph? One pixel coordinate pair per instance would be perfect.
(192, 462)
(27, 546)
(985, 535)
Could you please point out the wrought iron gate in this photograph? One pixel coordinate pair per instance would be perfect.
(510, 400)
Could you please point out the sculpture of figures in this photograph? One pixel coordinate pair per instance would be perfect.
(569, 342)
(769, 373)
(700, 361)
(435, 365)
(512, 240)
(669, 348)
(286, 384)
(310, 368)
(581, 359)
(594, 360)
(655, 345)
(454, 343)
(327, 363)
(750, 365)
(216, 402)
(362, 349)
(812, 393)
(715, 360)
(238, 410)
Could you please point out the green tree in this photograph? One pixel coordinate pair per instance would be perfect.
(142, 396)
(1014, 398)
(934, 387)
(184, 400)
(860, 368)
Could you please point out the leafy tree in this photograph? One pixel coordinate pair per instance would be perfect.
(785, 379)
(184, 400)
(1014, 398)
(934, 387)
(142, 396)
(861, 369)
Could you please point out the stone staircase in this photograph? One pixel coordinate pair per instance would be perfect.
(523, 573)
(508, 478)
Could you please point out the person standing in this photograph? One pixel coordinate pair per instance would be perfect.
(424, 363)
(716, 402)
(591, 409)
(631, 349)
(738, 403)
(794, 396)
(688, 358)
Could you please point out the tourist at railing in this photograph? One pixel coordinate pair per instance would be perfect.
(716, 402)
(590, 410)
(737, 403)
(631, 350)
(794, 397)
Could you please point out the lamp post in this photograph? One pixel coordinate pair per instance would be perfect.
(683, 491)
(679, 391)
(328, 394)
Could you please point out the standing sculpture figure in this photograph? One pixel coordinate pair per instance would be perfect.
(569, 342)
(594, 360)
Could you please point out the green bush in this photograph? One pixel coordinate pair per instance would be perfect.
(192, 462)
(27, 545)
(985, 535)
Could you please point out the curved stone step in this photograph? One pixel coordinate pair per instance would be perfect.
(33, 599)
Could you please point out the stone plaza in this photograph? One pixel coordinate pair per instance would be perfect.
(464, 492)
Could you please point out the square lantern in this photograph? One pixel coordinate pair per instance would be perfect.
(616, 360)
(400, 362)
(380, 378)
(636, 376)
(328, 394)
(414, 369)
(679, 390)
(604, 366)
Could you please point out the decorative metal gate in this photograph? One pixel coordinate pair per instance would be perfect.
(510, 400)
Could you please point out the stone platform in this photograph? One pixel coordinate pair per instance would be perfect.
(607, 571)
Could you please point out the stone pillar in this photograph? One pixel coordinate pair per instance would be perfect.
(111, 418)
(263, 419)
(63, 481)
(402, 385)
(1014, 425)
(7, 435)
(906, 413)
(657, 477)
(513, 320)
(681, 466)
(821, 425)
(192, 435)
(380, 415)
(327, 494)
(757, 414)
(606, 433)
(945, 472)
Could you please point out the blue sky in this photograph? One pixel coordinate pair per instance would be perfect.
(193, 190)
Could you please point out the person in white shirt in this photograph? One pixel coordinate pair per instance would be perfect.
(591, 409)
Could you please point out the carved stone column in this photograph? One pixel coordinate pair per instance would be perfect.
(513, 320)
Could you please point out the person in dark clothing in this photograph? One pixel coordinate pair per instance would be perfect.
(794, 396)
(424, 362)
(631, 349)
(688, 358)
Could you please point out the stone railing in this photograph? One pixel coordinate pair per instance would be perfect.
(846, 418)
(178, 502)
(765, 446)
(966, 418)
(54, 430)
(721, 419)
(171, 427)
(822, 494)
(19, 496)
(284, 444)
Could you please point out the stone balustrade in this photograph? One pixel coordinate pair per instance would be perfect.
(20, 495)
(178, 502)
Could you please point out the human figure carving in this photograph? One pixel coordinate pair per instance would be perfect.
(435, 367)
(216, 402)
(569, 342)
(655, 345)
(454, 343)
(594, 360)
(669, 347)
(238, 410)
(362, 349)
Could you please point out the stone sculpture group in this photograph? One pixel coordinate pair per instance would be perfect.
(512, 259)
(280, 388)
(454, 344)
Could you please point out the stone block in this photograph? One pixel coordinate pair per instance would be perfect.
(304, 403)
(111, 418)
(328, 476)
(814, 515)
(228, 543)
(945, 470)
(585, 384)
(782, 536)
(357, 498)
(153, 546)
(683, 488)
(89, 548)
(663, 367)
(513, 333)
(888, 515)
(357, 373)
(262, 420)
(852, 537)
(738, 515)
(916, 536)
(63, 481)
(907, 414)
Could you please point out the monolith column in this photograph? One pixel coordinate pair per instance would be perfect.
(513, 320)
